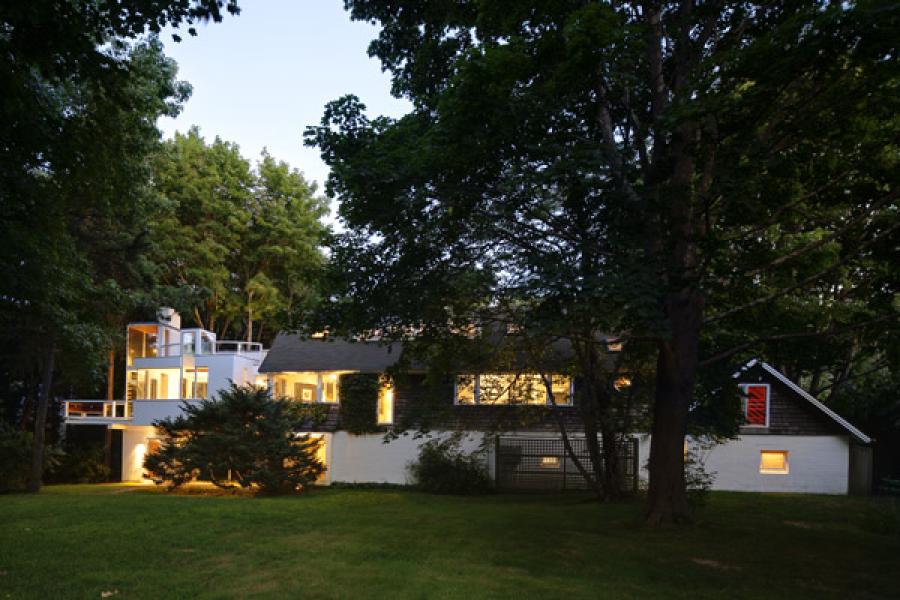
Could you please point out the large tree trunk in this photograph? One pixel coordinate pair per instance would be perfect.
(612, 452)
(40, 423)
(676, 370)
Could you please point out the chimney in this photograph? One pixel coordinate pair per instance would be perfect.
(168, 316)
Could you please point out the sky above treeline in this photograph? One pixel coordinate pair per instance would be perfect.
(260, 78)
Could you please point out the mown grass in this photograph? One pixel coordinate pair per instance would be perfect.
(87, 541)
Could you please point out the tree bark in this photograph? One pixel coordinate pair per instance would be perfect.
(111, 375)
(249, 318)
(676, 370)
(612, 472)
(40, 423)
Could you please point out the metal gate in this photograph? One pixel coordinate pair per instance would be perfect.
(542, 464)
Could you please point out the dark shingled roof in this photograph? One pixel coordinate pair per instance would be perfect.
(293, 353)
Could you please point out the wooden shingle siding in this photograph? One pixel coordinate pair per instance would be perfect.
(419, 404)
(789, 414)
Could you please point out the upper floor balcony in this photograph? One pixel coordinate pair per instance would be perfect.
(97, 411)
(122, 412)
(158, 340)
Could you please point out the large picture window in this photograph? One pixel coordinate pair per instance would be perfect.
(309, 386)
(512, 388)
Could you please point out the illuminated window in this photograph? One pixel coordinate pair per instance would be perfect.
(308, 386)
(385, 405)
(773, 462)
(512, 388)
(330, 387)
(549, 462)
(494, 389)
(621, 383)
(305, 387)
(562, 389)
(465, 389)
(756, 404)
(528, 389)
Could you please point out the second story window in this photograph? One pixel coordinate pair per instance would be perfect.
(141, 342)
(195, 383)
(308, 386)
(512, 388)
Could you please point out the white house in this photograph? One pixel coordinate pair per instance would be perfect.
(165, 366)
(789, 443)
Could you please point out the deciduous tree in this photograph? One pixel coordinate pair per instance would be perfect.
(675, 172)
(243, 243)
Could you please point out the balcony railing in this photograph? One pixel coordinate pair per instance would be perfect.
(238, 346)
(98, 409)
(203, 348)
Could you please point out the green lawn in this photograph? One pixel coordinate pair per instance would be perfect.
(84, 541)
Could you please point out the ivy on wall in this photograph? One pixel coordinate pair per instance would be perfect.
(359, 402)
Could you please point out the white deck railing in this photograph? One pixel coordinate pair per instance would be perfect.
(205, 348)
(98, 409)
(237, 346)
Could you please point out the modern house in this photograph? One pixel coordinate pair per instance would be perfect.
(790, 442)
(165, 366)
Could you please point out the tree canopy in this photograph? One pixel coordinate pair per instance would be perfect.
(706, 180)
(241, 243)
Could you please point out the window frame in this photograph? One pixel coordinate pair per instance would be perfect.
(745, 404)
(476, 391)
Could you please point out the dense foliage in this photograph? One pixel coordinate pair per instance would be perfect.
(707, 180)
(359, 402)
(81, 463)
(238, 245)
(242, 438)
(15, 458)
(79, 108)
(73, 226)
(444, 468)
(100, 222)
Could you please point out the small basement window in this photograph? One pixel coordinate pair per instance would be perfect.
(773, 462)
(549, 462)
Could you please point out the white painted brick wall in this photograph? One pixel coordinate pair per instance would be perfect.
(366, 458)
(818, 464)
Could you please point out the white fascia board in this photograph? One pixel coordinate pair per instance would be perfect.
(836, 417)
(783, 379)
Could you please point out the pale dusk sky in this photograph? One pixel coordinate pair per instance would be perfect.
(260, 78)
